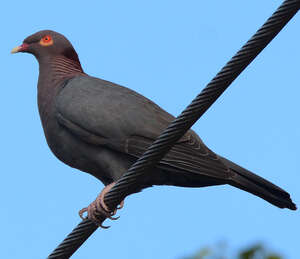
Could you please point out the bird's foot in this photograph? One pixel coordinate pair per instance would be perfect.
(98, 208)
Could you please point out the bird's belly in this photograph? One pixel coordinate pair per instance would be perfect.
(72, 151)
(99, 161)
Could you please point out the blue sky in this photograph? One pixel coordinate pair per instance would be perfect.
(167, 51)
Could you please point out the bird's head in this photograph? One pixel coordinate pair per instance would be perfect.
(47, 43)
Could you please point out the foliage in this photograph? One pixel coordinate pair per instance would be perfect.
(257, 251)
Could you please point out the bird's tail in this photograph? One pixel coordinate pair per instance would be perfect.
(250, 182)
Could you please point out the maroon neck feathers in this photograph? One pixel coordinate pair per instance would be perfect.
(62, 67)
(53, 72)
(55, 69)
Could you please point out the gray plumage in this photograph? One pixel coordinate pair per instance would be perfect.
(101, 128)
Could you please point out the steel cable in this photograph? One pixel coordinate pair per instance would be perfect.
(131, 179)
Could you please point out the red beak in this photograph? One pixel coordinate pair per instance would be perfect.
(21, 48)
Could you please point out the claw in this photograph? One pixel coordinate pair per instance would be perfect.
(120, 206)
(114, 218)
(101, 226)
(98, 208)
(81, 213)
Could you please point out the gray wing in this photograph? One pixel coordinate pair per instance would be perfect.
(103, 113)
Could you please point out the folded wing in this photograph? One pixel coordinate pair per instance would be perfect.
(103, 113)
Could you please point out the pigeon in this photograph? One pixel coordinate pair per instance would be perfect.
(102, 128)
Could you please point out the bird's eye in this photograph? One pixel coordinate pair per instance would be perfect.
(46, 40)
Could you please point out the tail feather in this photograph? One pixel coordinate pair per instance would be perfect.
(250, 182)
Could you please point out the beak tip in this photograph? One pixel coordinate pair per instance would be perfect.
(15, 50)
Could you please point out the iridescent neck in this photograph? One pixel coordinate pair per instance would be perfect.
(62, 67)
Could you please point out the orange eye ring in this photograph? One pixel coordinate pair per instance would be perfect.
(46, 40)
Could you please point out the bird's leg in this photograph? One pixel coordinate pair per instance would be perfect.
(98, 207)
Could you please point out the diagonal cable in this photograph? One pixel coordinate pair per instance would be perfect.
(131, 179)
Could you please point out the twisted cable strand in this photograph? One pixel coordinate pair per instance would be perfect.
(182, 123)
(202, 102)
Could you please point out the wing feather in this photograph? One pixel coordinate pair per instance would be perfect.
(103, 113)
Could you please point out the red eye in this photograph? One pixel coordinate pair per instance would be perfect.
(46, 40)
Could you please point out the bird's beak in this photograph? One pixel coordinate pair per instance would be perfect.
(20, 48)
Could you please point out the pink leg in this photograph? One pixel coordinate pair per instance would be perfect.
(98, 207)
